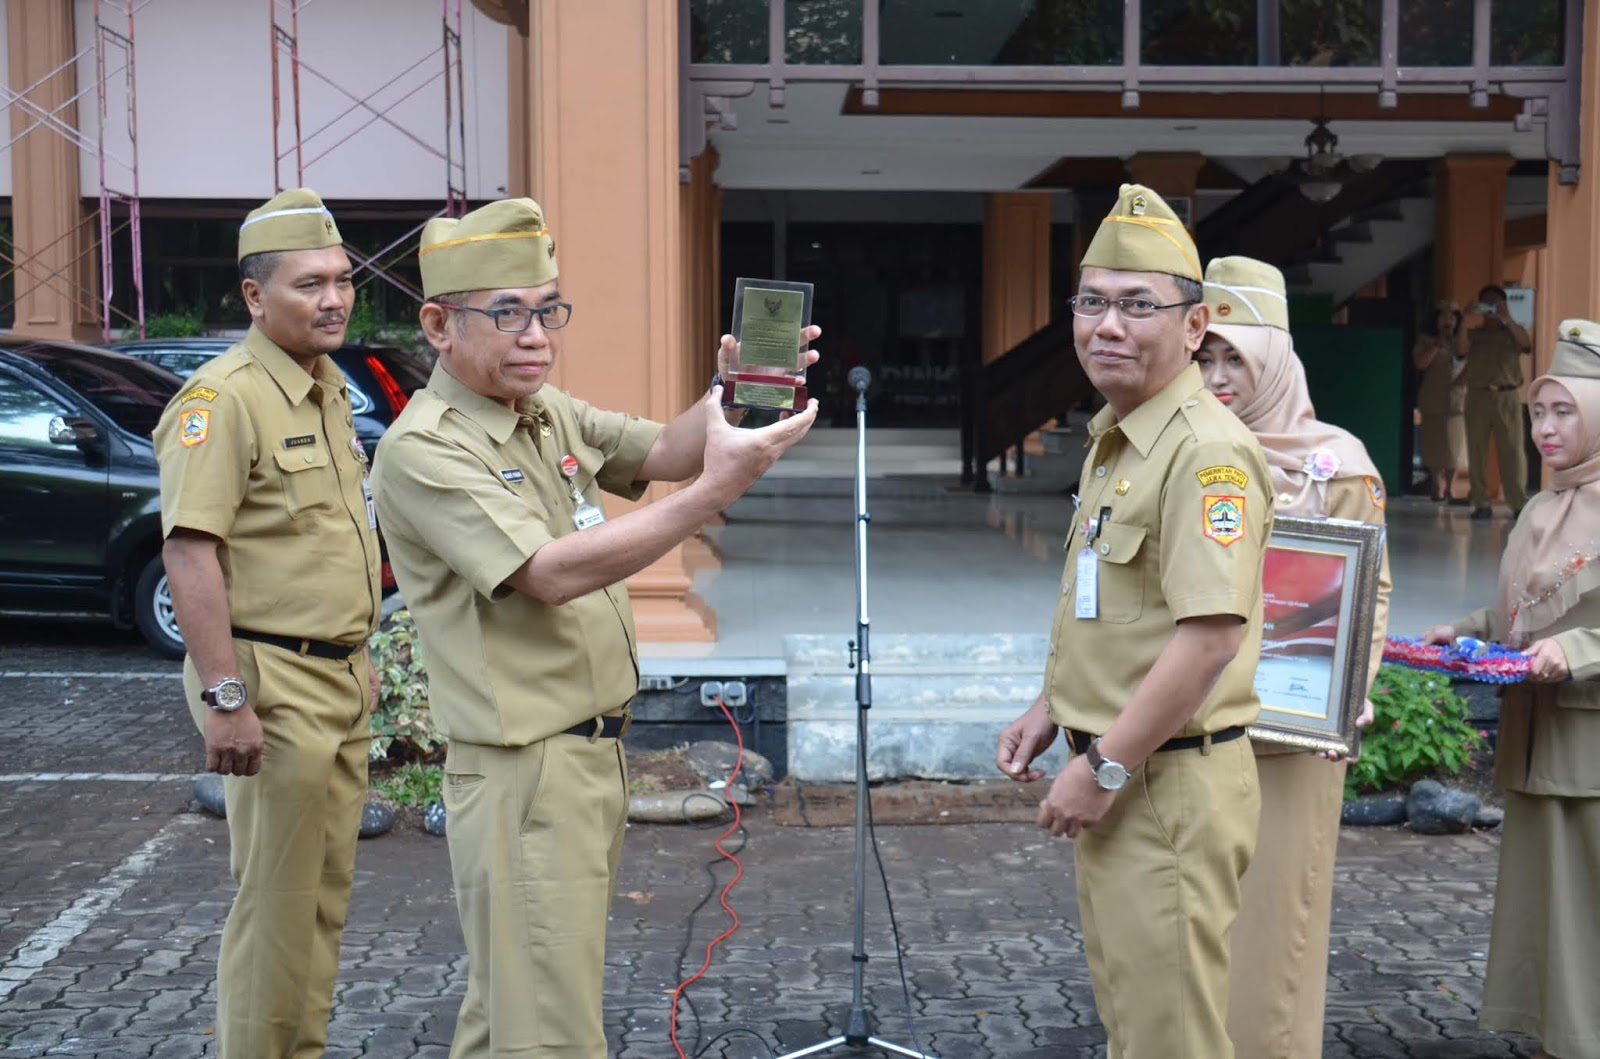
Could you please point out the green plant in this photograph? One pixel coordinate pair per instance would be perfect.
(363, 322)
(414, 785)
(188, 323)
(402, 725)
(1420, 727)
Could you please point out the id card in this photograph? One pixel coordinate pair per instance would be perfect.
(1086, 592)
(372, 506)
(588, 516)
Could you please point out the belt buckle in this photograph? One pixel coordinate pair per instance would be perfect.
(627, 722)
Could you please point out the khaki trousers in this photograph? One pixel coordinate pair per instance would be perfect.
(1497, 414)
(1158, 889)
(1280, 943)
(535, 838)
(292, 834)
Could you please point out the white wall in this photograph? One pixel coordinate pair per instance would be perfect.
(204, 91)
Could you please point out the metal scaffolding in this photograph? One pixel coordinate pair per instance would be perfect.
(290, 154)
(113, 51)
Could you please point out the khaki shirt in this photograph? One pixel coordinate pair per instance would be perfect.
(1190, 506)
(468, 490)
(1493, 358)
(264, 456)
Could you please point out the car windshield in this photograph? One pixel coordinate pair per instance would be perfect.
(131, 393)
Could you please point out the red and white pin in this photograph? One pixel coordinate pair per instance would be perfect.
(569, 465)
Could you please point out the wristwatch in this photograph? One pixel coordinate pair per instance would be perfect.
(226, 695)
(1110, 775)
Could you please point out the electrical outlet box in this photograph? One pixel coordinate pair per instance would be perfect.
(710, 692)
(735, 694)
(655, 683)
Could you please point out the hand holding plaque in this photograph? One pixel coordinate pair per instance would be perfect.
(767, 369)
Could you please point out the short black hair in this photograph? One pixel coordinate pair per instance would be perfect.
(1190, 290)
(444, 301)
(259, 267)
(1495, 289)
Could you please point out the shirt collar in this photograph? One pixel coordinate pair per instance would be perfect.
(292, 379)
(498, 421)
(1144, 424)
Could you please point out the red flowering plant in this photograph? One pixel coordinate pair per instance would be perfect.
(1419, 729)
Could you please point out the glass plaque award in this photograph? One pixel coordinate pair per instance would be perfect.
(767, 370)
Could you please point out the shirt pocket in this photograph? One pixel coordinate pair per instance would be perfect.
(307, 479)
(1120, 549)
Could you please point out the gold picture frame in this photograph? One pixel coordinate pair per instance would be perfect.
(1320, 595)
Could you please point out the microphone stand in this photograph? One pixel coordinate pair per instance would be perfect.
(858, 1026)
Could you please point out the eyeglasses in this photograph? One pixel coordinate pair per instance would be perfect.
(1093, 306)
(518, 318)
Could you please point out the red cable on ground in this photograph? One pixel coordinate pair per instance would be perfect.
(722, 898)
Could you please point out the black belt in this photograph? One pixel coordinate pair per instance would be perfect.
(315, 648)
(1081, 740)
(606, 726)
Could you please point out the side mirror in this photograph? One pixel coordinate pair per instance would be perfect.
(71, 430)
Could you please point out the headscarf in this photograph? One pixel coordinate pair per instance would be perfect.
(1303, 452)
(1552, 558)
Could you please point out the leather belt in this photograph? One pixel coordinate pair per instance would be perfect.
(1081, 740)
(606, 726)
(315, 648)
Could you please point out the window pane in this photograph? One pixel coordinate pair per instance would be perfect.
(25, 415)
(1330, 32)
(823, 32)
(1183, 33)
(728, 31)
(1001, 32)
(1527, 33)
(1436, 33)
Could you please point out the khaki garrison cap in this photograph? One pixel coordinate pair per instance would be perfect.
(1245, 292)
(1577, 350)
(1142, 234)
(291, 220)
(502, 246)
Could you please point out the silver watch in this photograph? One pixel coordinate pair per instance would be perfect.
(226, 695)
(1110, 775)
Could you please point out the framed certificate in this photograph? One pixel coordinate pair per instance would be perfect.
(1319, 592)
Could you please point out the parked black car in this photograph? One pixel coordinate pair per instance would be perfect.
(381, 378)
(80, 492)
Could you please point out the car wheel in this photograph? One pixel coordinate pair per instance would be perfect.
(153, 611)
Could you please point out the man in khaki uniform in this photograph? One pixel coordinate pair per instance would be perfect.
(1493, 376)
(272, 555)
(1154, 648)
(489, 488)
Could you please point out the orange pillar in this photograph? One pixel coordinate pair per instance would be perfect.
(1171, 174)
(700, 205)
(598, 147)
(1571, 276)
(1470, 226)
(1016, 268)
(55, 290)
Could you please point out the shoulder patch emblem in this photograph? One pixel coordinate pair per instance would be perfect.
(1223, 518)
(199, 393)
(1375, 491)
(194, 426)
(1221, 472)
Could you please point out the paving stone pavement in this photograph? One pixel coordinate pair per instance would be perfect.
(113, 896)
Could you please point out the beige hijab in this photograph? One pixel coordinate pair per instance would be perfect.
(1303, 452)
(1553, 556)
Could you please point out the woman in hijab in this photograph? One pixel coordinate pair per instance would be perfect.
(1280, 941)
(1441, 398)
(1544, 954)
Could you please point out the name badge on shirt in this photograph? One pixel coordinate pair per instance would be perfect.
(512, 475)
(372, 506)
(588, 516)
(1086, 593)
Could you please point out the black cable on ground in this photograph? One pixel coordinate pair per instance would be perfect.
(894, 928)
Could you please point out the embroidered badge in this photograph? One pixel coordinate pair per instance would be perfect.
(1375, 491)
(1138, 205)
(1321, 465)
(300, 441)
(1223, 309)
(1223, 519)
(513, 475)
(194, 426)
(1221, 472)
(199, 393)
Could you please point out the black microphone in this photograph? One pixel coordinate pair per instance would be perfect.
(859, 379)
